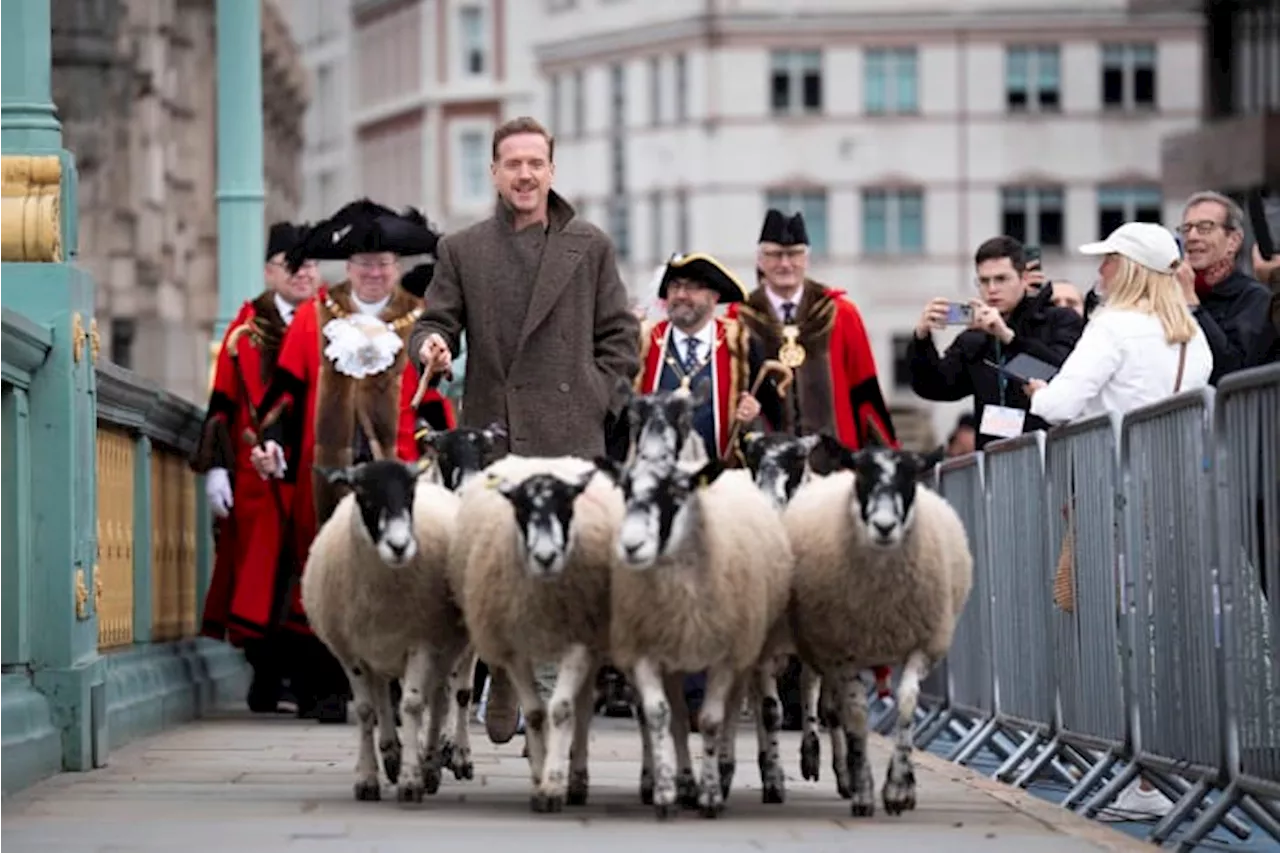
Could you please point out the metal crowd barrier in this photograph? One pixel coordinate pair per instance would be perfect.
(1124, 618)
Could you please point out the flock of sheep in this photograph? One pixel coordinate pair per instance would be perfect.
(665, 565)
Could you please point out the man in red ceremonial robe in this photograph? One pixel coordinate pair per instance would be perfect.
(693, 344)
(817, 332)
(344, 384)
(248, 522)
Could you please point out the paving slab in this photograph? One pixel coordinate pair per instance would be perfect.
(246, 784)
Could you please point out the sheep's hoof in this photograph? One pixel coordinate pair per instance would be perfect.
(431, 779)
(666, 811)
(810, 757)
(646, 787)
(842, 788)
(391, 761)
(409, 792)
(578, 787)
(900, 794)
(710, 807)
(687, 789)
(463, 769)
(368, 790)
(862, 809)
(726, 768)
(546, 804)
(772, 793)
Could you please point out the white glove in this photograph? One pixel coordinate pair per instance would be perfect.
(268, 460)
(217, 486)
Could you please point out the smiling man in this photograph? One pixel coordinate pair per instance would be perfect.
(552, 344)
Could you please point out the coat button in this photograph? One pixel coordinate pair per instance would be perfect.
(564, 387)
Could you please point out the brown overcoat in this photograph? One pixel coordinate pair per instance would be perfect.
(577, 349)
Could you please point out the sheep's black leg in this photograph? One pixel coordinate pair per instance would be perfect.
(854, 714)
(900, 783)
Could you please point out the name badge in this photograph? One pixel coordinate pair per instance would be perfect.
(1002, 421)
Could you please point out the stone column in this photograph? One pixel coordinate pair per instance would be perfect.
(241, 194)
(39, 237)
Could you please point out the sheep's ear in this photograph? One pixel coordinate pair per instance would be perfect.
(583, 480)
(609, 467)
(928, 461)
(709, 473)
(827, 454)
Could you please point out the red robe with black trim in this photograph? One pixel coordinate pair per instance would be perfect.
(729, 374)
(836, 388)
(311, 409)
(248, 540)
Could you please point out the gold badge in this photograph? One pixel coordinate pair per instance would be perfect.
(791, 353)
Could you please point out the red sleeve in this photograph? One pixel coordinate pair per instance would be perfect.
(216, 447)
(870, 414)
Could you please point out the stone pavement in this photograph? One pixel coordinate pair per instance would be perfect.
(235, 783)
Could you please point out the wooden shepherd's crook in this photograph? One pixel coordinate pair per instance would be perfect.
(772, 366)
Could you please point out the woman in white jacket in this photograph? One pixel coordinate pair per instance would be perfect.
(1141, 346)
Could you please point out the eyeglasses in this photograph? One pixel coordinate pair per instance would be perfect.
(1204, 226)
(309, 266)
(793, 254)
(371, 263)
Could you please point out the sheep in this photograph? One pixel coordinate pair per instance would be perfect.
(375, 592)
(701, 581)
(534, 576)
(883, 571)
(452, 458)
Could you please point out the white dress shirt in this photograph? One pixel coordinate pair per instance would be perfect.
(1122, 362)
(286, 310)
(777, 302)
(705, 338)
(373, 309)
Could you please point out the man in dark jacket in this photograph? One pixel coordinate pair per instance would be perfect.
(1006, 321)
(1232, 308)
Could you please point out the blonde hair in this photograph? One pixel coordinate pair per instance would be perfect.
(1139, 288)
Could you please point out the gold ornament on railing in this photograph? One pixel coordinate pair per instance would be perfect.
(78, 337)
(95, 341)
(82, 597)
(97, 590)
(30, 219)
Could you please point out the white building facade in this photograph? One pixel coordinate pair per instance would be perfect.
(907, 132)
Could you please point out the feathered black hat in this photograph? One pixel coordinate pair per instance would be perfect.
(417, 279)
(283, 236)
(366, 226)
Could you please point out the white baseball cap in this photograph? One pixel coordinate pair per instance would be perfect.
(1145, 243)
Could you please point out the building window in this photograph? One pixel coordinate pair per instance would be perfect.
(1129, 76)
(471, 145)
(579, 104)
(890, 80)
(1032, 79)
(1033, 215)
(1118, 205)
(901, 363)
(682, 88)
(656, 244)
(683, 240)
(893, 222)
(655, 91)
(473, 39)
(812, 205)
(620, 227)
(553, 98)
(796, 81)
(123, 333)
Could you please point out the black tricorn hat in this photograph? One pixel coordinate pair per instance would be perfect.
(365, 226)
(283, 236)
(783, 230)
(705, 270)
(416, 280)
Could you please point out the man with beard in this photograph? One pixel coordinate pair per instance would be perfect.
(818, 333)
(248, 526)
(343, 388)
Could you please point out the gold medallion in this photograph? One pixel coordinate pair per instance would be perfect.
(791, 353)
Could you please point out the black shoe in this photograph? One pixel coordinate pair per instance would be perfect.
(264, 694)
(332, 709)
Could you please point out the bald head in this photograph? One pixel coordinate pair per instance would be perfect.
(1067, 295)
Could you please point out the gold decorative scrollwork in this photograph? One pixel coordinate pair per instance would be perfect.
(30, 209)
(95, 341)
(97, 590)
(82, 597)
(77, 337)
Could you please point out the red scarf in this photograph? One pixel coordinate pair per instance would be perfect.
(1212, 275)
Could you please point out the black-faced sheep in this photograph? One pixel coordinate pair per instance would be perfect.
(376, 593)
(701, 579)
(534, 574)
(883, 570)
(453, 458)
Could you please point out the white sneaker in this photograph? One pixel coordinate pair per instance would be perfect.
(1136, 804)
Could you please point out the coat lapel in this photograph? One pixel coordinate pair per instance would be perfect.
(560, 257)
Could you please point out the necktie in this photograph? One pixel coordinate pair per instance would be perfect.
(788, 312)
(691, 354)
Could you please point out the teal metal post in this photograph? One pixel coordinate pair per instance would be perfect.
(241, 195)
(51, 292)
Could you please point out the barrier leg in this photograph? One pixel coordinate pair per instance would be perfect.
(1209, 819)
(1046, 755)
(1110, 791)
(969, 747)
(929, 730)
(1263, 813)
(1004, 771)
(1090, 779)
(1176, 788)
(1182, 809)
